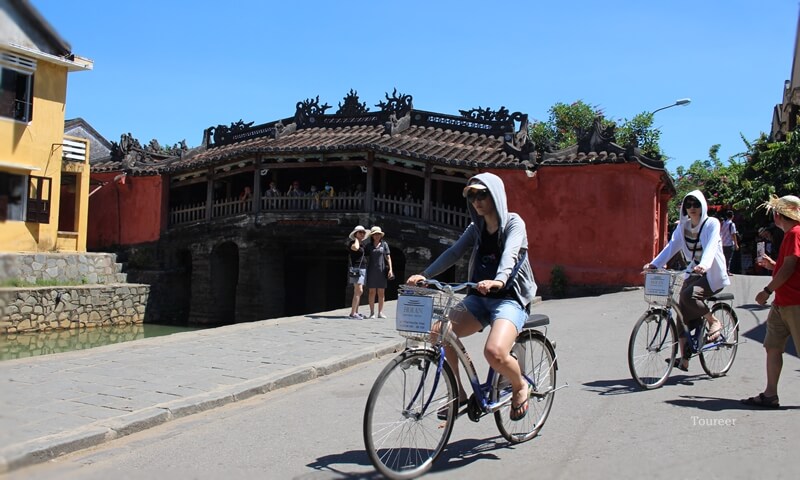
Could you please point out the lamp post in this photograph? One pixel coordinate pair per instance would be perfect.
(679, 102)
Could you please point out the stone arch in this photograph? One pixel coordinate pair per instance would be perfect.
(182, 296)
(224, 280)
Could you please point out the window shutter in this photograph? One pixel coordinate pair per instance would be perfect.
(39, 191)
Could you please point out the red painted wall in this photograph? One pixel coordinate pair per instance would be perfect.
(125, 213)
(601, 223)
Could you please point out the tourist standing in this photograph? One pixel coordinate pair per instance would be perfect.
(357, 269)
(730, 240)
(783, 320)
(379, 270)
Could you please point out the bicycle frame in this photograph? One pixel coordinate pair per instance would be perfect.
(693, 340)
(480, 390)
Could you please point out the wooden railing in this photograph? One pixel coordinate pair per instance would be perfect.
(384, 204)
(194, 212)
(342, 203)
(450, 216)
(398, 206)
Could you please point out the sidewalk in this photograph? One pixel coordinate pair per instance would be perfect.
(56, 404)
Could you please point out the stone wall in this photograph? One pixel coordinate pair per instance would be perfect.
(46, 308)
(78, 268)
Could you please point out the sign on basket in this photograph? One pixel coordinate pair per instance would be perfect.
(414, 313)
(657, 284)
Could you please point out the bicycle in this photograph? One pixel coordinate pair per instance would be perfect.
(653, 344)
(413, 404)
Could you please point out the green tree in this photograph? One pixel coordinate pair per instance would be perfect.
(770, 168)
(639, 131)
(718, 182)
(567, 123)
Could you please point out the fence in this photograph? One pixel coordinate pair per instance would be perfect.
(386, 204)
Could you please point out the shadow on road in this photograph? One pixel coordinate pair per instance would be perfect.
(464, 452)
(627, 385)
(326, 466)
(613, 387)
(456, 455)
(336, 317)
(715, 404)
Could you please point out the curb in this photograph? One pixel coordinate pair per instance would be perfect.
(49, 447)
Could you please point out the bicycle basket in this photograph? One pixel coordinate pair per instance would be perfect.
(660, 286)
(418, 308)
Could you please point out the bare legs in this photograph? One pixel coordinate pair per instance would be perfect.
(497, 352)
(381, 293)
(774, 367)
(358, 290)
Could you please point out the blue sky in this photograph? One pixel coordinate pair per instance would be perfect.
(169, 69)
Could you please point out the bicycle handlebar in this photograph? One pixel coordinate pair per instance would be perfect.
(447, 287)
(671, 272)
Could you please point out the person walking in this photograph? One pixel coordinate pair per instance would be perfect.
(697, 236)
(783, 320)
(730, 239)
(357, 270)
(379, 270)
(505, 286)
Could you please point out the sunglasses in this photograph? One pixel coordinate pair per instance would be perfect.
(480, 196)
(692, 205)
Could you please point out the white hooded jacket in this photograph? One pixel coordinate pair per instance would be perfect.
(713, 259)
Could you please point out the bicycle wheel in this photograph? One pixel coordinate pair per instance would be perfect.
(717, 357)
(402, 433)
(652, 349)
(536, 358)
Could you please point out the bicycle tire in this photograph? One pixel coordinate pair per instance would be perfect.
(402, 437)
(652, 349)
(717, 358)
(537, 360)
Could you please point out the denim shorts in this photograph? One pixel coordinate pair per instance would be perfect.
(486, 310)
(359, 280)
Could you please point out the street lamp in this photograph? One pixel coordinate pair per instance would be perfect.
(680, 101)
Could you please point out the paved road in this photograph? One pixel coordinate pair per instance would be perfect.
(61, 403)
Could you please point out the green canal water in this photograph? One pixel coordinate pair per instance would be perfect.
(57, 341)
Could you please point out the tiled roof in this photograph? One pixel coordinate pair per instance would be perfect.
(478, 138)
(596, 147)
(425, 143)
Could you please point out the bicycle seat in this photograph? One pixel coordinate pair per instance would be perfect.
(721, 297)
(537, 320)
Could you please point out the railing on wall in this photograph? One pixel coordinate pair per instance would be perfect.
(230, 206)
(384, 204)
(342, 203)
(450, 216)
(397, 206)
(191, 213)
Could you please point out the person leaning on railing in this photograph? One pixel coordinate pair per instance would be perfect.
(697, 237)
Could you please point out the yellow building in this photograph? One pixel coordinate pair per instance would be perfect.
(44, 176)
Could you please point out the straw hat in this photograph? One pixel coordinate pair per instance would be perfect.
(359, 228)
(376, 230)
(787, 205)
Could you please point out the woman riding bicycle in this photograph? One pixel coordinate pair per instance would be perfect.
(698, 238)
(505, 284)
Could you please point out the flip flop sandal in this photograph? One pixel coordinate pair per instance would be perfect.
(712, 337)
(523, 407)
